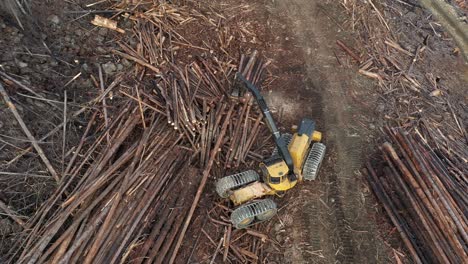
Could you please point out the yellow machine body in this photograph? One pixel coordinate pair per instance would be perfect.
(295, 159)
(276, 180)
(275, 174)
(252, 191)
(275, 171)
(299, 148)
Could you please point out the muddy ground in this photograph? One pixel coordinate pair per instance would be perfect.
(332, 220)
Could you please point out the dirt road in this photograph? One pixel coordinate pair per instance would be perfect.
(331, 220)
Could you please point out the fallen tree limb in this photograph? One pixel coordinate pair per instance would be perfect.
(38, 148)
(11, 214)
(206, 173)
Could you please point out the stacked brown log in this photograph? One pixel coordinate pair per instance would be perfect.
(423, 189)
(130, 188)
(140, 182)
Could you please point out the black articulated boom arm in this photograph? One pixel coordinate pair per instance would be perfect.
(280, 142)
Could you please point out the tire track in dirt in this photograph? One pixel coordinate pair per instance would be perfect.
(332, 225)
(333, 241)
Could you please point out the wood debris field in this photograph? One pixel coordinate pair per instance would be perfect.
(117, 118)
(131, 186)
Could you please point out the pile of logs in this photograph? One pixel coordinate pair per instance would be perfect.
(155, 135)
(217, 240)
(422, 184)
(420, 174)
(103, 205)
(129, 191)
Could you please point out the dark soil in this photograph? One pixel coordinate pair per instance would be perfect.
(46, 56)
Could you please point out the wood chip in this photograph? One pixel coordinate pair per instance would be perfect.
(106, 23)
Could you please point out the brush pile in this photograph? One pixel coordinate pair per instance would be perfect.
(422, 185)
(217, 240)
(155, 136)
(399, 63)
(420, 173)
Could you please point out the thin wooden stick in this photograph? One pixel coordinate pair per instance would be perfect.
(39, 150)
(137, 60)
(64, 136)
(227, 242)
(53, 131)
(216, 251)
(389, 207)
(142, 113)
(11, 214)
(24, 87)
(104, 103)
(349, 51)
(206, 173)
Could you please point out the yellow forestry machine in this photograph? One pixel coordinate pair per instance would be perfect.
(296, 158)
